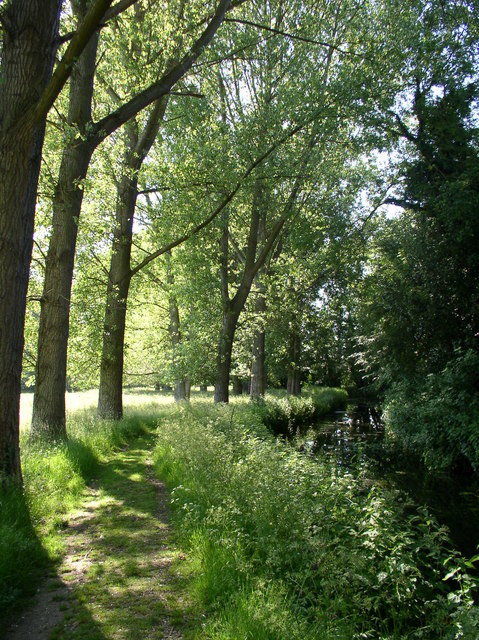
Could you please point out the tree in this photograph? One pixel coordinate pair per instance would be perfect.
(49, 416)
(422, 293)
(30, 40)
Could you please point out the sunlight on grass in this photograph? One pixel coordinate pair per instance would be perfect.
(286, 546)
(146, 399)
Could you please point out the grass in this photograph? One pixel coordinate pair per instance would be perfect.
(269, 543)
(55, 478)
(131, 587)
(286, 547)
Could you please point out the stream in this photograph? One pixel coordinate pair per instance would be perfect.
(356, 435)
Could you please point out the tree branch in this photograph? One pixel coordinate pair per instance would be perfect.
(112, 12)
(292, 36)
(114, 120)
(226, 200)
(404, 204)
(5, 22)
(74, 49)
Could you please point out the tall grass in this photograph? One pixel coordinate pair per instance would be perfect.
(55, 476)
(286, 547)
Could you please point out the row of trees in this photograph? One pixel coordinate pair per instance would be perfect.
(217, 168)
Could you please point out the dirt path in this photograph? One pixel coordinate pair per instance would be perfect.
(121, 577)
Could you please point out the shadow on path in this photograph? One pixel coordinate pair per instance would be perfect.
(121, 577)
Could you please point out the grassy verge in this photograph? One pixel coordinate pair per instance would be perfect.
(55, 476)
(285, 547)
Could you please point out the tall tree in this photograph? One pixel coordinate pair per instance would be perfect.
(49, 415)
(270, 94)
(28, 90)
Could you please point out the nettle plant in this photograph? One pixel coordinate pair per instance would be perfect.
(349, 559)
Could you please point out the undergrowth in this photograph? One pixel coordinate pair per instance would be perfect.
(287, 547)
(438, 417)
(55, 475)
(284, 414)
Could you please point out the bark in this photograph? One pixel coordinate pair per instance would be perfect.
(223, 359)
(258, 371)
(110, 397)
(237, 386)
(182, 386)
(28, 53)
(175, 337)
(294, 368)
(49, 400)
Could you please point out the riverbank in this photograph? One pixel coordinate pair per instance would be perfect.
(288, 547)
(263, 543)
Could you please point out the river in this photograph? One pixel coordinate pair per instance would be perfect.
(356, 435)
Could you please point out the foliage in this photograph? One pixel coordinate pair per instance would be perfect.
(285, 414)
(438, 417)
(289, 547)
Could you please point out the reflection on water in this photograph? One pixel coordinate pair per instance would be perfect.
(357, 435)
(346, 433)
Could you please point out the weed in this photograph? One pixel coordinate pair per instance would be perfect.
(289, 547)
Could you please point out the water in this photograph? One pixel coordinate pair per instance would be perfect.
(357, 435)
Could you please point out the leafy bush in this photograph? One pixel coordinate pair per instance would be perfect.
(289, 547)
(439, 418)
(284, 415)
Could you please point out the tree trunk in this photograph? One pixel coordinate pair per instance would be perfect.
(223, 359)
(237, 386)
(50, 377)
(294, 369)
(49, 400)
(232, 308)
(258, 371)
(175, 337)
(181, 386)
(30, 32)
(110, 397)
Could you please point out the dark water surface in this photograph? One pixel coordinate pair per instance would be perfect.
(357, 435)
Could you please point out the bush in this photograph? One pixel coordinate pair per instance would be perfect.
(438, 418)
(285, 415)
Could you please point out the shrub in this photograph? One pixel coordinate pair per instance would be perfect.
(438, 418)
(285, 415)
(294, 548)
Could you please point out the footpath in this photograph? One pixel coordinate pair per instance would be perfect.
(121, 576)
